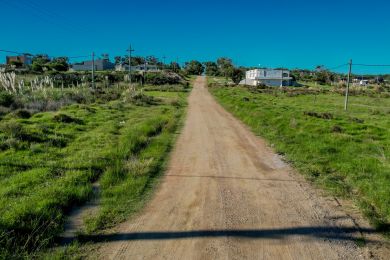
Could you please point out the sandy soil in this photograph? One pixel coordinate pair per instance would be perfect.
(226, 195)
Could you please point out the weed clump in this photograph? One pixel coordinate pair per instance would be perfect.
(139, 99)
(357, 120)
(337, 129)
(318, 115)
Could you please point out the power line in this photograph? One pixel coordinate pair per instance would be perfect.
(339, 66)
(76, 57)
(29, 54)
(14, 52)
(372, 65)
(51, 57)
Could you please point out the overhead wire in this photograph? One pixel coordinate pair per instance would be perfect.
(338, 67)
(371, 65)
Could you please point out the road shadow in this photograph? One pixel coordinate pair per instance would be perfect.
(329, 233)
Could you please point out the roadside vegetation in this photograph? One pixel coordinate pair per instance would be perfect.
(346, 152)
(57, 142)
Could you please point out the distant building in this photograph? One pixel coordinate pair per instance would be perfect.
(24, 59)
(100, 64)
(143, 67)
(268, 77)
(360, 82)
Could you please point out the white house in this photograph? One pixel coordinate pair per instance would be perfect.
(268, 77)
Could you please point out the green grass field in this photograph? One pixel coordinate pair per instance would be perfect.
(49, 161)
(348, 153)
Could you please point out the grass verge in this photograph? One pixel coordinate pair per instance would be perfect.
(49, 161)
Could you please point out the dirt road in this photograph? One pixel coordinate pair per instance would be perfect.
(226, 195)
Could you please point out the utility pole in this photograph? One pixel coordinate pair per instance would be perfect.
(347, 89)
(130, 50)
(145, 70)
(93, 70)
(163, 62)
(281, 80)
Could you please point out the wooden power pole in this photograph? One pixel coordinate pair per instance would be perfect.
(130, 50)
(347, 89)
(93, 70)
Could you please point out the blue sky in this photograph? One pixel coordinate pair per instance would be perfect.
(298, 33)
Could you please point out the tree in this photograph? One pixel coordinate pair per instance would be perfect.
(324, 77)
(152, 60)
(39, 62)
(174, 66)
(225, 66)
(59, 64)
(137, 60)
(117, 60)
(211, 68)
(194, 67)
(237, 75)
(320, 68)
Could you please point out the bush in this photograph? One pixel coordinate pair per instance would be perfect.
(162, 78)
(6, 99)
(22, 113)
(11, 143)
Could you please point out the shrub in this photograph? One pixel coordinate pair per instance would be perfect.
(141, 99)
(22, 113)
(162, 78)
(6, 99)
(138, 99)
(11, 143)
